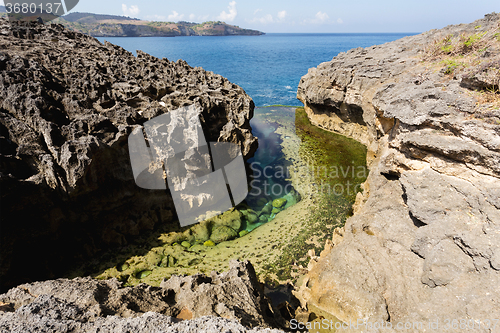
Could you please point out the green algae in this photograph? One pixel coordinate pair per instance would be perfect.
(337, 162)
(275, 210)
(277, 243)
(143, 274)
(278, 203)
(338, 166)
(223, 233)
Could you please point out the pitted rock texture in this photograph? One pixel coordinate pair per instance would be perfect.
(88, 305)
(67, 105)
(424, 242)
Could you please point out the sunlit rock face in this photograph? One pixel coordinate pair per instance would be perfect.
(424, 241)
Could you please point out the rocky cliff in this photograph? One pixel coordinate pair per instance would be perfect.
(67, 106)
(424, 242)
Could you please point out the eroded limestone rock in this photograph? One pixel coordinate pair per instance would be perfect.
(424, 240)
(67, 106)
(88, 305)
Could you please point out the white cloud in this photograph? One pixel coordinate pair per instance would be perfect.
(339, 21)
(269, 18)
(230, 16)
(192, 17)
(175, 17)
(257, 10)
(155, 17)
(203, 18)
(264, 20)
(132, 11)
(321, 17)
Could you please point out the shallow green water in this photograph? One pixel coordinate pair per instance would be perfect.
(271, 188)
(296, 165)
(336, 163)
(329, 169)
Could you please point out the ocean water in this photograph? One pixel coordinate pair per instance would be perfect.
(268, 67)
(296, 163)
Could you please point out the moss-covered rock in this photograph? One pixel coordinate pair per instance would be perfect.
(278, 203)
(263, 218)
(252, 217)
(171, 261)
(168, 261)
(267, 208)
(172, 238)
(275, 210)
(201, 231)
(223, 233)
(122, 267)
(143, 274)
(209, 243)
(187, 245)
(154, 257)
(231, 218)
(262, 201)
(243, 233)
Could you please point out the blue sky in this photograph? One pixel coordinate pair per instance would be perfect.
(304, 16)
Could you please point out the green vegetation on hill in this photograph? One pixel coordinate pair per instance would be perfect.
(73, 17)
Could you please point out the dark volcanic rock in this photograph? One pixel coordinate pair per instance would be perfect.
(88, 305)
(67, 105)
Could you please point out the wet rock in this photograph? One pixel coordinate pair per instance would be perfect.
(267, 208)
(143, 274)
(201, 231)
(67, 106)
(209, 243)
(262, 201)
(278, 203)
(222, 234)
(252, 217)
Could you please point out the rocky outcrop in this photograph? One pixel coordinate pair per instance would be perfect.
(88, 305)
(424, 242)
(67, 106)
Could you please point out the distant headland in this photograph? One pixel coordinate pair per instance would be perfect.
(101, 25)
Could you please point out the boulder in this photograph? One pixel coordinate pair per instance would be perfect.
(223, 233)
(67, 106)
